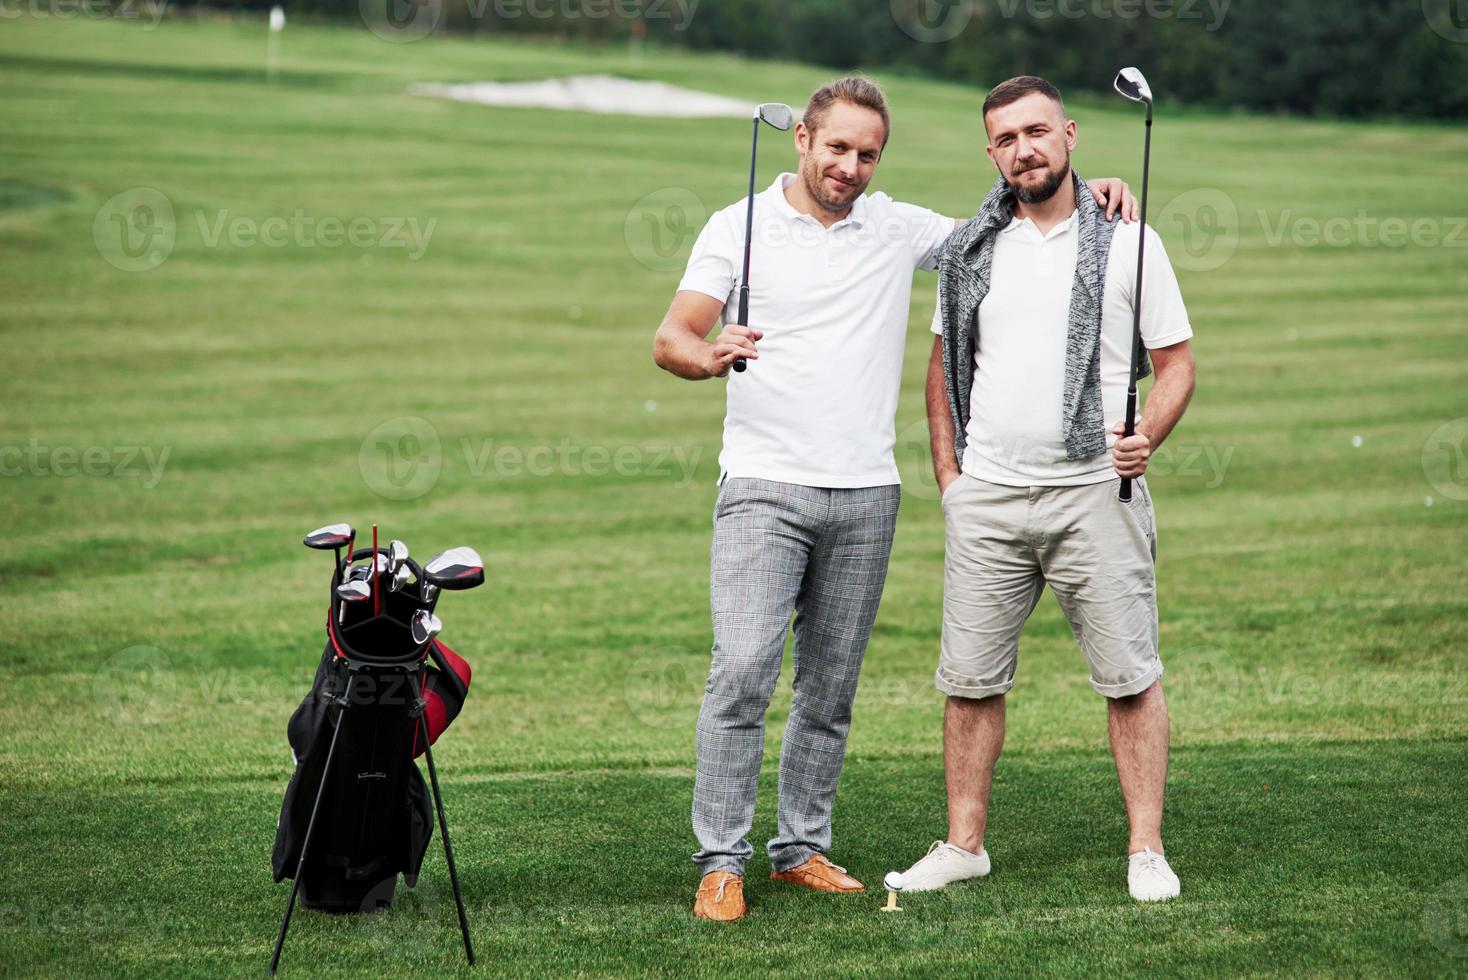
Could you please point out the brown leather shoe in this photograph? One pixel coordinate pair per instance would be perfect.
(720, 897)
(819, 874)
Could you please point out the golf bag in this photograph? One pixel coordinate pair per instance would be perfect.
(356, 805)
(374, 811)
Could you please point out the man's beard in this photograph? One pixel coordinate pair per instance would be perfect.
(815, 186)
(1047, 189)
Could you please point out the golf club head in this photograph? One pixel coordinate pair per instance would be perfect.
(354, 591)
(456, 570)
(429, 592)
(776, 114)
(399, 579)
(1132, 84)
(358, 573)
(397, 553)
(329, 537)
(425, 626)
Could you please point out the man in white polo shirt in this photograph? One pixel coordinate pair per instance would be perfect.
(1032, 360)
(809, 491)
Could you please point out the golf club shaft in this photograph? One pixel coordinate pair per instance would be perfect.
(1125, 494)
(376, 599)
(739, 364)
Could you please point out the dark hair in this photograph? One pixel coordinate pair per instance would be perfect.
(855, 89)
(1010, 92)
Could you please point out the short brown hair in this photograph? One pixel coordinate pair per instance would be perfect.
(1010, 92)
(857, 90)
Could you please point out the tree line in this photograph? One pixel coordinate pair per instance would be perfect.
(1355, 58)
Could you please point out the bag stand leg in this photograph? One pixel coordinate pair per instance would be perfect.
(285, 922)
(443, 827)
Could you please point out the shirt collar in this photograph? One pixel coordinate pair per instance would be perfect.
(1026, 227)
(776, 191)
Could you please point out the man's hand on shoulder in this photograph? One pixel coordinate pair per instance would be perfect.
(1114, 195)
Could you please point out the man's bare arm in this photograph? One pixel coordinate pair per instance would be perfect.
(680, 346)
(940, 420)
(1166, 402)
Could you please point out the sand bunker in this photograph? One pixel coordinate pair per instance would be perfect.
(596, 93)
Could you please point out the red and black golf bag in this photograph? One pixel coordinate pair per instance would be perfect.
(356, 805)
(375, 820)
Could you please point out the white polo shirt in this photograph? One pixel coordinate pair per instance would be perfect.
(817, 408)
(1015, 431)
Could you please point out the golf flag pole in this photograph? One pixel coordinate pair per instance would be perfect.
(1132, 85)
(272, 43)
(739, 364)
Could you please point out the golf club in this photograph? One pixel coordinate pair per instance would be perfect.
(353, 589)
(1132, 84)
(354, 592)
(333, 536)
(782, 117)
(376, 569)
(455, 570)
(365, 572)
(357, 573)
(425, 626)
(397, 572)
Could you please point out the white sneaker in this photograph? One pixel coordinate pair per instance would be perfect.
(1150, 878)
(943, 865)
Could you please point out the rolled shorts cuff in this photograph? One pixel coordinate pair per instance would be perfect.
(975, 692)
(1137, 685)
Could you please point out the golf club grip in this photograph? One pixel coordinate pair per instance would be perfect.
(1129, 429)
(739, 364)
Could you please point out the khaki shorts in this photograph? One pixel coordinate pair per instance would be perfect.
(1096, 553)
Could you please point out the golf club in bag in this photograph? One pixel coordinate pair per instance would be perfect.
(1132, 84)
(356, 813)
(782, 117)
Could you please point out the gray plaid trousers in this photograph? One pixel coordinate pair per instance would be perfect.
(780, 549)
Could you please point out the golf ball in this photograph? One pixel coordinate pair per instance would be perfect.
(893, 880)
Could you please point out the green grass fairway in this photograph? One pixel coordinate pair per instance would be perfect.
(161, 628)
